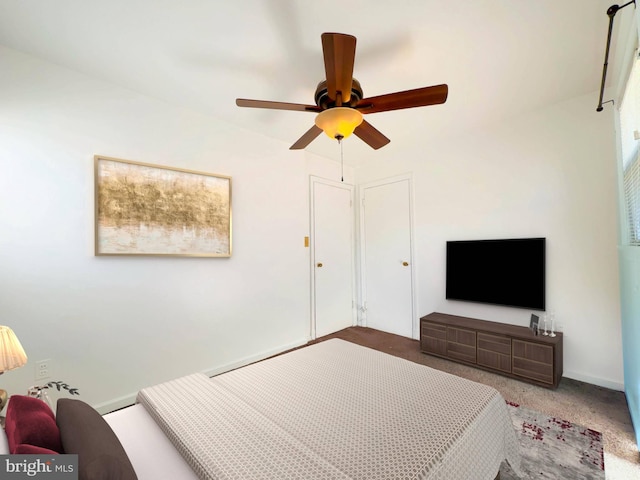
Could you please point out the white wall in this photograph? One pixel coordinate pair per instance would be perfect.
(111, 325)
(551, 174)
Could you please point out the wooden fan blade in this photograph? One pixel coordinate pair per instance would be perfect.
(370, 135)
(243, 102)
(339, 56)
(420, 97)
(307, 138)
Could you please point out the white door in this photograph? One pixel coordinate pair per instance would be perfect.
(332, 257)
(387, 277)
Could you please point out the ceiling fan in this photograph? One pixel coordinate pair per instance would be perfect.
(339, 99)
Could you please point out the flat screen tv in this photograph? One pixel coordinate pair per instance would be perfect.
(500, 272)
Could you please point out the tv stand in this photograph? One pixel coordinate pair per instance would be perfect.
(506, 349)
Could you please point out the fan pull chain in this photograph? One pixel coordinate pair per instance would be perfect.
(341, 163)
(339, 138)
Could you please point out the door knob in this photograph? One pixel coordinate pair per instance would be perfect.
(405, 264)
(319, 265)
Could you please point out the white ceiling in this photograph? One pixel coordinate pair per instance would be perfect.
(500, 58)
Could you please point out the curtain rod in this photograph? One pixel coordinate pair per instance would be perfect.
(611, 12)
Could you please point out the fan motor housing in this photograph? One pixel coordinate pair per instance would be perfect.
(323, 101)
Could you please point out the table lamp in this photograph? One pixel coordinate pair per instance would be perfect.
(11, 356)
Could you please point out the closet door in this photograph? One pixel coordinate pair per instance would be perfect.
(386, 256)
(332, 257)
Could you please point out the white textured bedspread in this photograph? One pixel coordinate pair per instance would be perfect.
(335, 410)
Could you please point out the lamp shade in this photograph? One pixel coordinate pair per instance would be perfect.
(339, 122)
(11, 352)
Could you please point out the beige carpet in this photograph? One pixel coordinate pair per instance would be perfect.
(598, 408)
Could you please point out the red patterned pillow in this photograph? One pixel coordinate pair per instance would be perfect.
(25, 449)
(30, 421)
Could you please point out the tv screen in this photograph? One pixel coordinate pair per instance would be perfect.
(500, 272)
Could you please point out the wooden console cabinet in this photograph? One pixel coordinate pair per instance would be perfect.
(506, 349)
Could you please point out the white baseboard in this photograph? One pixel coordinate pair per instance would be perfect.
(601, 382)
(212, 372)
(130, 399)
(116, 404)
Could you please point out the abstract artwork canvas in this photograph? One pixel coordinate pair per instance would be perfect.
(145, 209)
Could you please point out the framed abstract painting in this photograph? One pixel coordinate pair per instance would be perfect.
(145, 209)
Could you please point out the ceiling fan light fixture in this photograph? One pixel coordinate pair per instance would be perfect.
(339, 122)
(339, 100)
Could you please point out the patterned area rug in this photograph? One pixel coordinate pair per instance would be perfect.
(555, 449)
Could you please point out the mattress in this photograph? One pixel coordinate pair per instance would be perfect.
(335, 410)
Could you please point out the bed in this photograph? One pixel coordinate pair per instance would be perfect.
(333, 410)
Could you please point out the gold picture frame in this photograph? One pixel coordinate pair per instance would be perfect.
(146, 209)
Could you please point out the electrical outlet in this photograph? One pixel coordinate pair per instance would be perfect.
(43, 369)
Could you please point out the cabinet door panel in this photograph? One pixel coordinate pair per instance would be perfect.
(462, 352)
(494, 351)
(494, 360)
(459, 335)
(533, 351)
(534, 370)
(494, 343)
(433, 345)
(461, 344)
(434, 330)
(532, 360)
